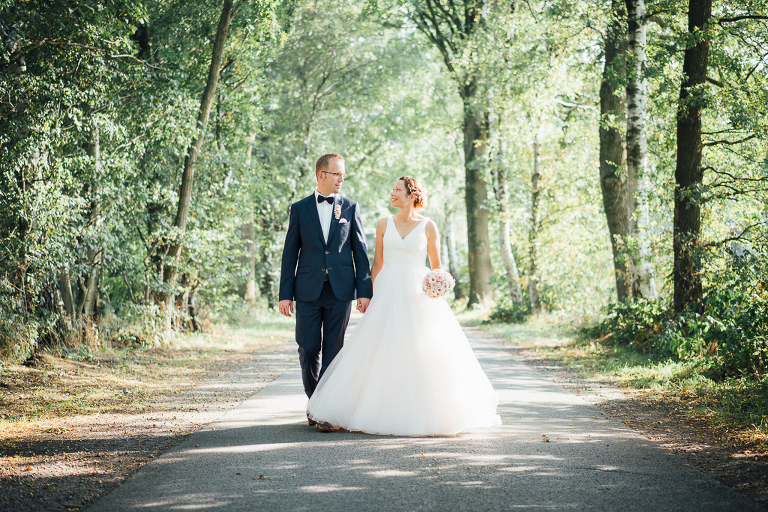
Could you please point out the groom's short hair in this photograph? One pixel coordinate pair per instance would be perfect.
(324, 162)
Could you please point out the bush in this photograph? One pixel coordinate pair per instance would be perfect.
(509, 312)
(727, 327)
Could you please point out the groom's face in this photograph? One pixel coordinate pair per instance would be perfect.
(330, 181)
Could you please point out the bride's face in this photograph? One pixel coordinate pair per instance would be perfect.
(399, 197)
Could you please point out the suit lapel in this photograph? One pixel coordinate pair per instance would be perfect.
(312, 207)
(334, 220)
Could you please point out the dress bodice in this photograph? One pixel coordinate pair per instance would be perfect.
(410, 251)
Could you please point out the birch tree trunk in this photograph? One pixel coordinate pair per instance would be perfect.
(510, 265)
(533, 230)
(613, 179)
(688, 172)
(190, 161)
(637, 149)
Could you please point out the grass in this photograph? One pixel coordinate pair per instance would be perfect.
(736, 408)
(84, 380)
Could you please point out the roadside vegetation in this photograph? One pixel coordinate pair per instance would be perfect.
(702, 384)
(125, 372)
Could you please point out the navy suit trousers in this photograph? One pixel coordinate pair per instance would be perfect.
(320, 327)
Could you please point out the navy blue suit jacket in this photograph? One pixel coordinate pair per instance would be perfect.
(306, 256)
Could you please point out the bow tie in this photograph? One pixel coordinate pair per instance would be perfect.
(320, 199)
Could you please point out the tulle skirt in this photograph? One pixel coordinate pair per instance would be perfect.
(407, 368)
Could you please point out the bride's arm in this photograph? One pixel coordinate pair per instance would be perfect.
(378, 253)
(433, 245)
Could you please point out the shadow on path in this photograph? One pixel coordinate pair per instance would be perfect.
(554, 452)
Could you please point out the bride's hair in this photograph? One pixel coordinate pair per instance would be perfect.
(415, 189)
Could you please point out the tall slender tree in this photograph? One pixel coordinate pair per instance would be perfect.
(505, 243)
(534, 227)
(450, 26)
(193, 152)
(689, 173)
(644, 283)
(613, 180)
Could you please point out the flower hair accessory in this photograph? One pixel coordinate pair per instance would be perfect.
(337, 211)
(437, 283)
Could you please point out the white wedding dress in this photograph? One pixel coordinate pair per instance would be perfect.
(407, 368)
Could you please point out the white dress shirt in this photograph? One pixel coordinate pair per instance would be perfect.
(325, 211)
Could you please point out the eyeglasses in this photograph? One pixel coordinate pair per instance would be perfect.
(336, 175)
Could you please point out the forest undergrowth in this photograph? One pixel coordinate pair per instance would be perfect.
(732, 403)
(124, 373)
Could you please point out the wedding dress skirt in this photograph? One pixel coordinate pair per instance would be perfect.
(407, 368)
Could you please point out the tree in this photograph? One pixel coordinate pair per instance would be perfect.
(689, 173)
(644, 283)
(190, 160)
(534, 227)
(613, 182)
(505, 244)
(450, 27)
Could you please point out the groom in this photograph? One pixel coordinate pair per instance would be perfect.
(325, 267)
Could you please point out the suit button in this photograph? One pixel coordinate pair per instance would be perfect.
(323, 270)
(327, 252)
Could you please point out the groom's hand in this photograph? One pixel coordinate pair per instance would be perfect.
(362, 304)
(285, 307)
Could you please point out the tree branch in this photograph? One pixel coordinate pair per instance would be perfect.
(735, 238)
(728, 142)
(58, 42)
(739, 18)
(130, 291)
(715, 82)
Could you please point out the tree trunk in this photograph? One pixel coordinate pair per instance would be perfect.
(453, 257)
(449, 232)
(66, 293)
(510, 265)
(688, 172)
(194, 323)
(478, 240)
(637, 149)
(90, 294)
(267, 280)
(613, 182)
(190, 161)
(533, 231)
(248, 235)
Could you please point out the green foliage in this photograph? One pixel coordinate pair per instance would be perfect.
(508, 312)
(728, 329)
(302, 79)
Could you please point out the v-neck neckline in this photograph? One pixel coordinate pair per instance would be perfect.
(402, 238)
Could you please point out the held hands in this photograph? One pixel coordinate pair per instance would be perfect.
(285, 307)
(362, 304)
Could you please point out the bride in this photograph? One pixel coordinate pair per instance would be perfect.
(408, 368)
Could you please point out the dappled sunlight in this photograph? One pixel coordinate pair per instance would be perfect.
(390, 472)
(328, 488)
(264, 453)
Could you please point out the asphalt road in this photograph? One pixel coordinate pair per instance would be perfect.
(553, 452)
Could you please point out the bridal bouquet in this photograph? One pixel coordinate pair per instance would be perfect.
(437, 283)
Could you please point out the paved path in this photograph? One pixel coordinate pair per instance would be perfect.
(263, 456)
